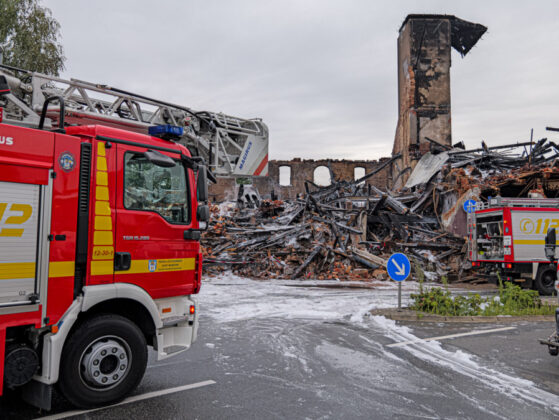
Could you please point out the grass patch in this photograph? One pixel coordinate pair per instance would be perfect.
(512, 300)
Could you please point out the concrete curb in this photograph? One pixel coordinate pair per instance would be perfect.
(416, 316)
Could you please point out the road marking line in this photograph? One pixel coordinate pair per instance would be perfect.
(129, 400)
(442, 337)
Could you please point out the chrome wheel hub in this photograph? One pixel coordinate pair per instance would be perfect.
(105, 362)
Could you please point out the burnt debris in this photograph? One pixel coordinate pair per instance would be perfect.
(348, 229)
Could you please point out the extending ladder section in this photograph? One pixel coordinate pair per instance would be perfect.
(231, 145)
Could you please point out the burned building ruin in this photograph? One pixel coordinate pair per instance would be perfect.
(424, 121)
(424, 60)
(286, 178)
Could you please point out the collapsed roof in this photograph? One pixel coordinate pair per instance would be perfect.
(464, 34)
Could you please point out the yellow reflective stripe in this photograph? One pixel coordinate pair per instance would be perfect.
(102, 193)
(99, 268)
(10, 271)
(103, 253)
(531, 242)
(101, 163)
(103, 223)
(61, 269)
(101, 149)
(102, 208)
(161, 266)
(102, 178)
(102, 237)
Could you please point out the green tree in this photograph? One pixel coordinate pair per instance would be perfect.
(29, 36)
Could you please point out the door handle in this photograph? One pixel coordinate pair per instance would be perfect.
(122, 261)
(192, 235)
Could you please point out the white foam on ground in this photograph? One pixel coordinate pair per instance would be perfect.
(244, 299)
(464, 363)
(247, 299)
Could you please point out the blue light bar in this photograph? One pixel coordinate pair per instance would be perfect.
(167, 132)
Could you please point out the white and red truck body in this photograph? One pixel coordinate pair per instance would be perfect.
(507, 235)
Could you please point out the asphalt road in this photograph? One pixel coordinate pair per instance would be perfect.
(278, 351)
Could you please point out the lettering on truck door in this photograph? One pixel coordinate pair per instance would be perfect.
(19, 215)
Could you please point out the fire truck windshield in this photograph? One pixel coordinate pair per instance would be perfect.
(148, 187)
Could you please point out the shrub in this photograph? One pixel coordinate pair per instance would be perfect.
(512, 300)
(440, 302)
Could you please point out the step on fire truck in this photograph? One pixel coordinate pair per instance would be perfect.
(507, 236)
(99, 247)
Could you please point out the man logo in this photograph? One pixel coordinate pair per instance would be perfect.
(152, 265)
(527, 226)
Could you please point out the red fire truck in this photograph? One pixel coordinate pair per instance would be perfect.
(507, 236)
(99, 257)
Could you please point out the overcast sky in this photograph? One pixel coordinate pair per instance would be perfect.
(321, 74)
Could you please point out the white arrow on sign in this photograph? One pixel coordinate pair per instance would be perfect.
(401, 270)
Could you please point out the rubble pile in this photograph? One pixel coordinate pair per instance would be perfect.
(347, 230)
(342, 231)
(512, 170)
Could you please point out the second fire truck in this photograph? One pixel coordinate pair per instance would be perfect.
(507, 236)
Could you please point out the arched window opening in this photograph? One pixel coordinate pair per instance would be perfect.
(359, 172)
(321, 176)
(285, 176)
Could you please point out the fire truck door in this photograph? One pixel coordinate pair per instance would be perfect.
(153, 211)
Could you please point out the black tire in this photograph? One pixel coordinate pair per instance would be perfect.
(554, 351)
(545, 281)
(84, 366)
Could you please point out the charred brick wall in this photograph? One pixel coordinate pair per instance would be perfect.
(301, 170)
(424, 60)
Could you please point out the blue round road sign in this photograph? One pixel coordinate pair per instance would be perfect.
(470, 206)
(398, 267)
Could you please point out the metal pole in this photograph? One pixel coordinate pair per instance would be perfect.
(399, 295)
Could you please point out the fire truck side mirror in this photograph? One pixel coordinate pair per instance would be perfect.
(203, 213)
(159, 159)
(202, 183)
(550, 244)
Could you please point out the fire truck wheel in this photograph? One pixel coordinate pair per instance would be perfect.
(545, 281)
(103, 361)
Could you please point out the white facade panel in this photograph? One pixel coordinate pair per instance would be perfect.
(19, 215)
(529, 228)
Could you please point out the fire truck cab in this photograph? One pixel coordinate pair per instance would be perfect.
(507, 236)
(99, 258)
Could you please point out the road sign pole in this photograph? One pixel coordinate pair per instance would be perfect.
(399, 296)
(398, 267)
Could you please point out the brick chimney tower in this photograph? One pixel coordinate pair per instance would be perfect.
(424, 122)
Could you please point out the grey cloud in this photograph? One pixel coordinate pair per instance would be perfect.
(321, 74)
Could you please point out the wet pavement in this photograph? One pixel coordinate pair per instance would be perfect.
(278, 351)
